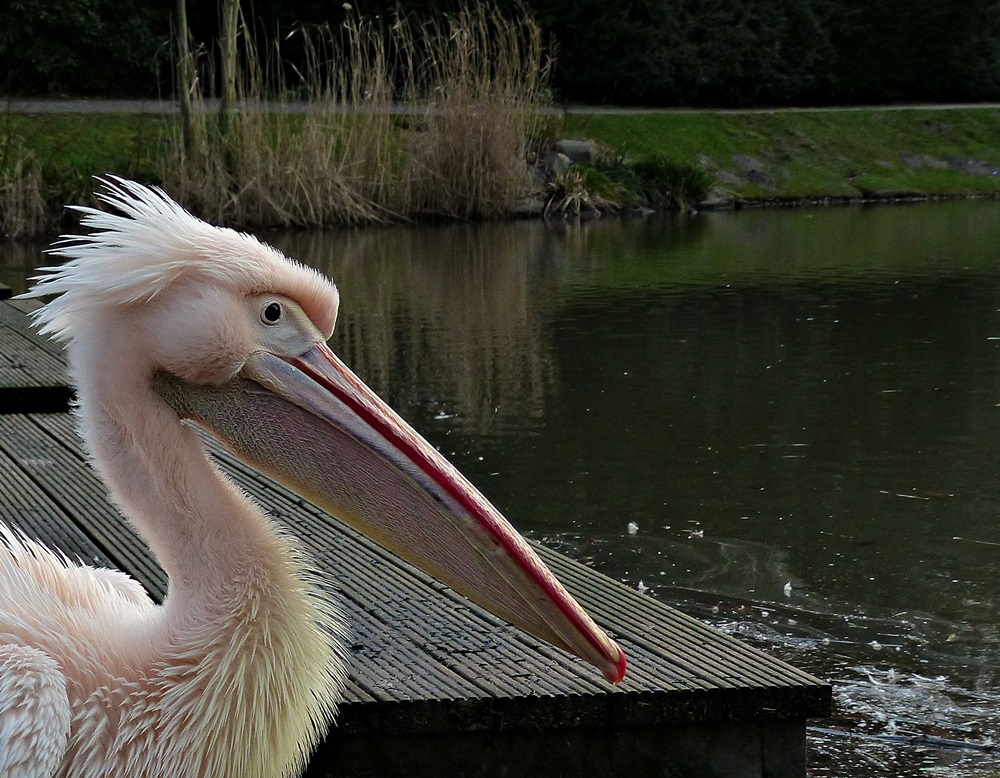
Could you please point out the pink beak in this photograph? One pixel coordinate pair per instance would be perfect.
(318, 428)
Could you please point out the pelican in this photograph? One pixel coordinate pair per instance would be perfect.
(169, 321)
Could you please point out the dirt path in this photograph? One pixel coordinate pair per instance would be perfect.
(59, 105)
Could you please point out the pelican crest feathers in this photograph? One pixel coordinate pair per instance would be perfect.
(152, 243)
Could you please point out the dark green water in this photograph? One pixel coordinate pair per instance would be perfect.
(786, 422)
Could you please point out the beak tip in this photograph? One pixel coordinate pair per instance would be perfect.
(614, 671)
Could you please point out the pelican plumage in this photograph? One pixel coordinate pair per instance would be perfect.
(170, 321)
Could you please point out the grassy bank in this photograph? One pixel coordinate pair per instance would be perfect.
(71, 148)
(749, 157)
(49, 160)
(791, 155)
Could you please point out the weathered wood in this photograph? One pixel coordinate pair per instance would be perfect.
(32, 368)
(722, 750)
(24, 504)
(55, 465)
(13, 315)
(417, 644)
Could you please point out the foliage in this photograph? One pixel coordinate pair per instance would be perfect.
(22, 208)
(812, 154)
(667, 183)
(659, 52)
(110, 47)
(774, 52)
(654, 180)
(571, 193)
(49, 160)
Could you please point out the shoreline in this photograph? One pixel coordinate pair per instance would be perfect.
(783, 158)
(889, 198)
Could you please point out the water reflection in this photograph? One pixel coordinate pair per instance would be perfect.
(447, 322)
(797, 411)
(18, 261)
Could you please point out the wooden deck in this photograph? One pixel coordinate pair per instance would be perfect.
(439, 686)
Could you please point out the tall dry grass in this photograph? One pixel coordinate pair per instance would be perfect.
(411, 119)
(22, 201)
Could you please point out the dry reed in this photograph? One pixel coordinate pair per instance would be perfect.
(413, 119)
(22, 204)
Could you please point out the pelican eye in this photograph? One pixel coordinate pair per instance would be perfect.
(271, 313)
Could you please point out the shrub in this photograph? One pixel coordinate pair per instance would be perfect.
(666, 183)
(570, 194)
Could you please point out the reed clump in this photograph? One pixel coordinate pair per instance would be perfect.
(411, 119)
(23, 210)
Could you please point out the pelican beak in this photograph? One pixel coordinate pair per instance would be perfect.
(312, 424)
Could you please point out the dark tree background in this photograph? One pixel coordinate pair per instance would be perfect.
(655, 52)
(114, 47)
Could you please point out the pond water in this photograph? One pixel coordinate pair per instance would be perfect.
(787, 423)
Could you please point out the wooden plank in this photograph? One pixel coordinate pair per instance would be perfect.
(642, 619)
(77, 490)
(24, 364)
(13, 317)
(23, 504)
(468, 670)
(657, 666)
(733, 667)
(757, 685)
(32, 368)
(391, 622)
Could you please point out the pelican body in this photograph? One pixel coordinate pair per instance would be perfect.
(169, 321)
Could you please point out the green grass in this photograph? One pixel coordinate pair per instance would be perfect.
(73, 148)
(812, 154)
